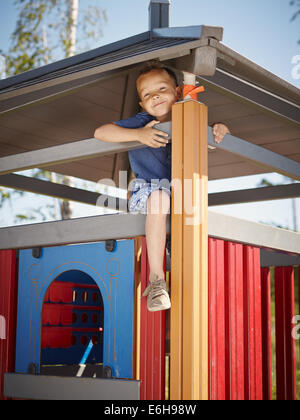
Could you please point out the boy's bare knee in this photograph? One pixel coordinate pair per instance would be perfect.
(158, 202)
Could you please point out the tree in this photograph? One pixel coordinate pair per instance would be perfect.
(295, 3)
(46, 31)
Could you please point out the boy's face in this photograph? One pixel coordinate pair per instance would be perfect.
(158, 92)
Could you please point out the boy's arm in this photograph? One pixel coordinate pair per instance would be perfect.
(147, 135)
(115, 134)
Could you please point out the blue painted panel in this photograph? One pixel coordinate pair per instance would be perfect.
(112, 272)
(74, 355)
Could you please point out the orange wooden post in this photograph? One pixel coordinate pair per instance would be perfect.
(189, 291)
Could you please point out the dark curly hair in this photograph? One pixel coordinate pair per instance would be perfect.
(156, 65)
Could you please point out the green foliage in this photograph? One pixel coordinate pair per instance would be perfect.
(33, 213)
(43, 212)
(28, 49)
(41, 36)
(265, 183)
(92, 21)
(42, 33)
(295, 3)
(7, 195)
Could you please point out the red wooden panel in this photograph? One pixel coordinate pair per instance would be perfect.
(252, 324)
(153, 334)
(234, 318)
(235, 322)
(60, 292)
(285, 343)
(56, 337)
(216, 319)
(56, 314)
(66, 316)
(8, 308)
(266, 333)
(51, 314)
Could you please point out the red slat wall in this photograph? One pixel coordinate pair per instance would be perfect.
(266, 333)
(8, 310)
(153, 347)
(234, 316)
(240, 350)
(235, 336)
(216, 319)
(285, 342)
(252, 323)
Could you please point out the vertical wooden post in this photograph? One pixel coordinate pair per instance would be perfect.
(234, 322)
(217, 351)
(266, 333)
(189, 294)
(252, 323)
(176, 255)
(285, 342)
(152, 342)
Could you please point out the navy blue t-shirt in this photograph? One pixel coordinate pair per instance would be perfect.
(148, 163)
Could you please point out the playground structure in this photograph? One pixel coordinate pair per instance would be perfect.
(219, 340)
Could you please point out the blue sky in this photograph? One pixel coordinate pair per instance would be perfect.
(260, 30)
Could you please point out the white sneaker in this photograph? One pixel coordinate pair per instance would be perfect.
(157, 296)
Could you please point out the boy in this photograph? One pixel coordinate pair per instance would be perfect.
(158, 90)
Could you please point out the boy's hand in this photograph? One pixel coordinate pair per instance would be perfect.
(219, 131)
(151, 137)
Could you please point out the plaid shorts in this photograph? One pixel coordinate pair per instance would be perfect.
(141, 191)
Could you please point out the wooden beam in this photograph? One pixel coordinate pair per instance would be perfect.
(254, 195)
(260, 156)
(286, 382)
(189, 312)
(64, 153)
(176, 257)
(50, 189)
(55, 388)
(124, 226)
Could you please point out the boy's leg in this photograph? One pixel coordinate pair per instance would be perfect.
(156, 232)
(158, 207)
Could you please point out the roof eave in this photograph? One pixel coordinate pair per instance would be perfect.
(189, 32)
(80, 58)
(71, 61)
(242, 67)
